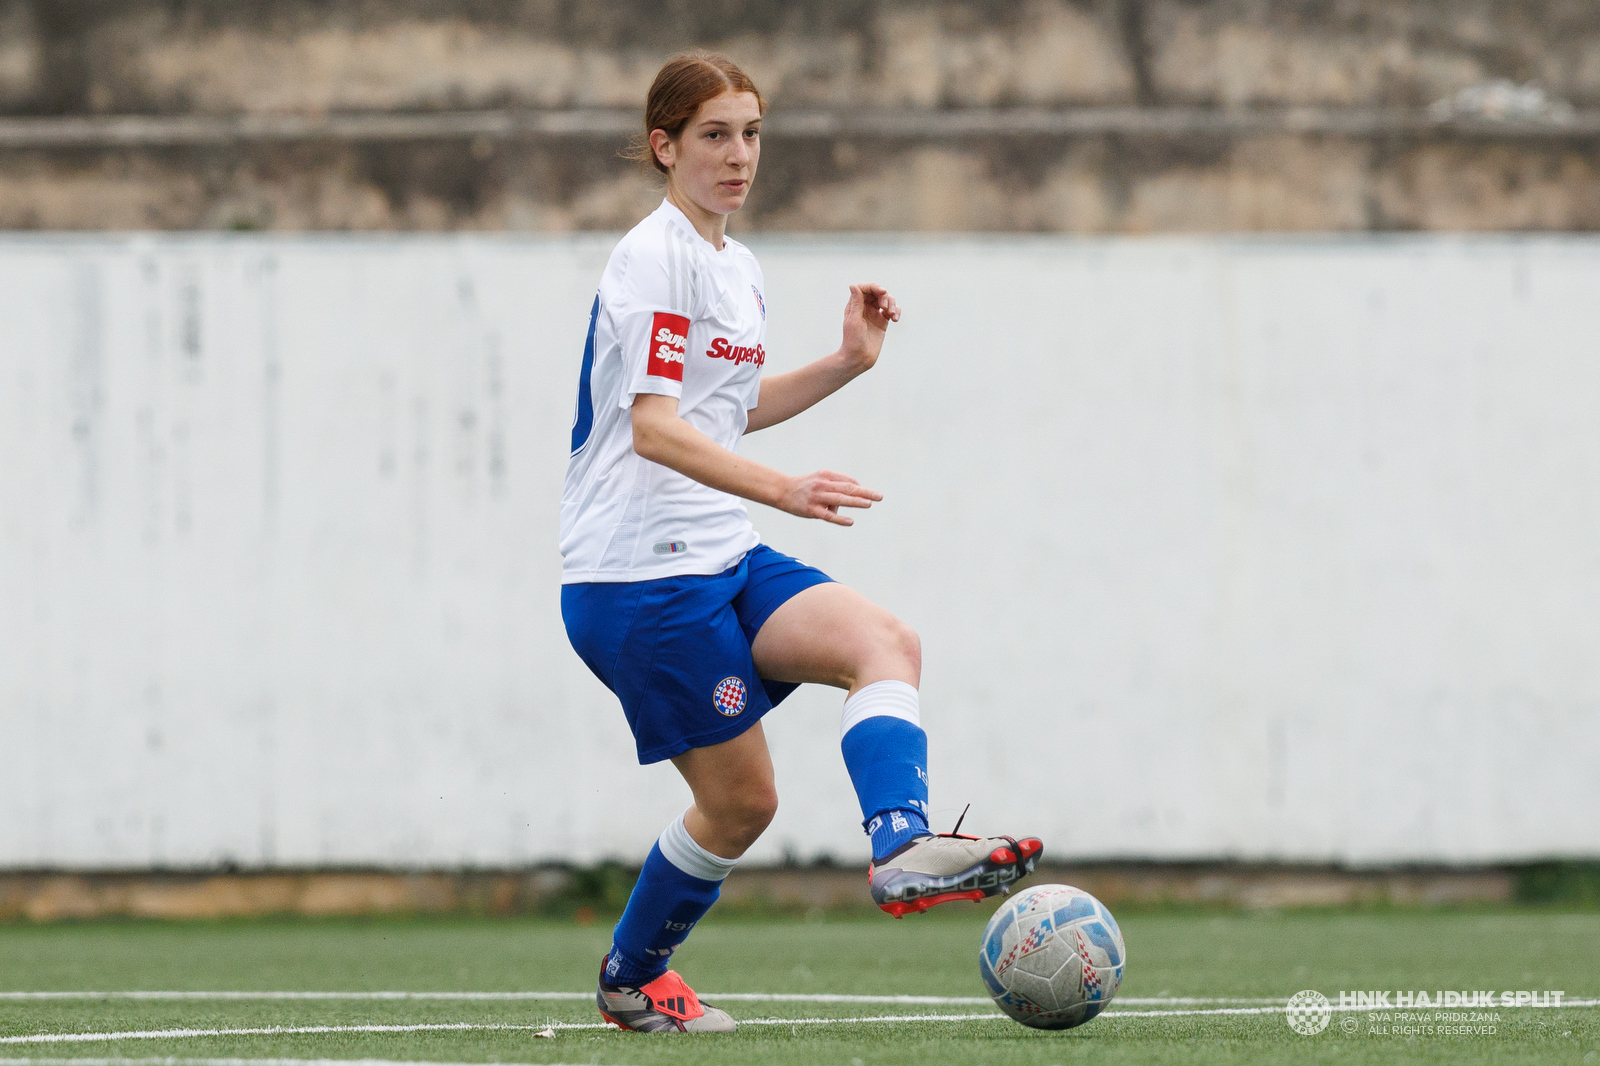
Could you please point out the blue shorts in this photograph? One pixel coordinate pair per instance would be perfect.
(676, 650)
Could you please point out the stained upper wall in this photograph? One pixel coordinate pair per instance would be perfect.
(212, 56)
(1268, 549)
(280, 58)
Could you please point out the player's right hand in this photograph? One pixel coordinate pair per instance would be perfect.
(820, 495)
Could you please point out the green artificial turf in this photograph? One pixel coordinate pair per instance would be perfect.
(1170, 955)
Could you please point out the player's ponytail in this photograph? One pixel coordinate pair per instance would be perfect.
(684, 83)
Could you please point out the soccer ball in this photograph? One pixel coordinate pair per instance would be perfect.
(1052, 957)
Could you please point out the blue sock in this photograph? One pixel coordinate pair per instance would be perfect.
(893, 828)
(679, 883)
(886, 752)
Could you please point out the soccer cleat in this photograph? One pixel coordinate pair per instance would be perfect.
(938, 869)
(663, 1005)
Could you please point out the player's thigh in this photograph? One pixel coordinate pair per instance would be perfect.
(728, 777)
(832, 635)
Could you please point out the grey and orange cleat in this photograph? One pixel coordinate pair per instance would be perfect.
(665, 1004)
(931, 870)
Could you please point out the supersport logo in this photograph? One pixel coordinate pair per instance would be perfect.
(669, 340)
(669, 346)
(721, 349)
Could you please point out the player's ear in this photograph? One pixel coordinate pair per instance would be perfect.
(661, 144)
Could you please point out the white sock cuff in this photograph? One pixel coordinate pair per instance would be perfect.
(881, 699)
(681, 850)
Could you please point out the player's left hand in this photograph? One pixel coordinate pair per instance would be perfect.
(867, 315)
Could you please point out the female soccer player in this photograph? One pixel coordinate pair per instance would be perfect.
(669, 595)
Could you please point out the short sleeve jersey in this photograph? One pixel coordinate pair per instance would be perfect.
(675, 317)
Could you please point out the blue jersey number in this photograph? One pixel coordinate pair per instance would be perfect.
(583, 421)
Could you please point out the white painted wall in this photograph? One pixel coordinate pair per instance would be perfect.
(1257, 548)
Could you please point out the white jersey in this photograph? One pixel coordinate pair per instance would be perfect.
(674, 317)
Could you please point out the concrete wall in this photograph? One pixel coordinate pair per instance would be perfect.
(1251, 548)
(93, 60)
(221, 57)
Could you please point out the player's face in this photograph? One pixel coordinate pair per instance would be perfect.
(714, 158)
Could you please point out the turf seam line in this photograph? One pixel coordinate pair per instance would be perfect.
(753, 997)
(267, 1030)
(278, 1030)
(742, 997)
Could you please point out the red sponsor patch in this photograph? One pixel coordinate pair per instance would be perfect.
(669, 341)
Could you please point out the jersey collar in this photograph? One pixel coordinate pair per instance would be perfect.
(676, 217)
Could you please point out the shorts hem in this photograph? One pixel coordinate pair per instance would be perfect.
(717, 736)
(759, 616)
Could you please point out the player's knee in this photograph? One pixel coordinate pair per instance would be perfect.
(751, 806)
(748, 817)
(888, 648)
(763, 809)
(903, 642)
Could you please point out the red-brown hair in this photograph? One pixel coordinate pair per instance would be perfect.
(681, 86)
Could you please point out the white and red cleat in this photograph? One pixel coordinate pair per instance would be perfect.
(663, 1005)
(931, 870)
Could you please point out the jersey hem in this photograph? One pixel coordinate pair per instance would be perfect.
(595, 575)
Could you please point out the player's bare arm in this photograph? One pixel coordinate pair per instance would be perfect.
(866, 320)
(660, 436)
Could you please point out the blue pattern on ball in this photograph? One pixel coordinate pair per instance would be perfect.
(987, 971)
(997, 937)
(1105, 916)
(1101, 937)
(1080, 907)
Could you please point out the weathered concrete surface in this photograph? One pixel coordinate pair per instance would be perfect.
(216, 56)
(1094, 184)
(54, 896)
(1219, 884)
(404, 56)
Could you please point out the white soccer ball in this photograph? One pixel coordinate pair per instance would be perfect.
(1052, 957)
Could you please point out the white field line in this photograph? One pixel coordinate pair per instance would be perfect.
(247, 1062)
(996, 1016)
(283, 1030)
(265, 1030)
(737, 997)
(301, 1030)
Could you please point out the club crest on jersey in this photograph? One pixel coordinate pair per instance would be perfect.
(729, 696)
(669, 342)
(760, 302)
